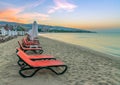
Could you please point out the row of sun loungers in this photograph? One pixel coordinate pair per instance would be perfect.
(6, 38)
(26, 45)
(37, 62)
(30, 48)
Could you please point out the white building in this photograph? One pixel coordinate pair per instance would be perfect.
(3, 31)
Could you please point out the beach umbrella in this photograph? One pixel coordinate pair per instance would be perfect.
(34, 31)
(9, 32)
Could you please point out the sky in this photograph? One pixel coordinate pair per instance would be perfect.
(85, 14)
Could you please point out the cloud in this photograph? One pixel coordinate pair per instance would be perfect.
(62, 4)
(9, 14)
(14, 15)
(19, 14)
(36, 16)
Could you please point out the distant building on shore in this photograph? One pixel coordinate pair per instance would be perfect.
(12, 30)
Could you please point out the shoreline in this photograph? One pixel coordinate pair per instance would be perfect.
(85, 66)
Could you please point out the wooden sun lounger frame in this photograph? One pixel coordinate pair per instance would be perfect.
(30, 49)
(26, 65)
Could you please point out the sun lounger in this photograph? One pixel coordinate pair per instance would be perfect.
(38, 65)
(37, 56)
(34, 43)
(30, 49)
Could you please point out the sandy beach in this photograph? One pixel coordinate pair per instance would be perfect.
(85, 66)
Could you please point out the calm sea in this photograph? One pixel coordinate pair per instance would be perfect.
(108, 43)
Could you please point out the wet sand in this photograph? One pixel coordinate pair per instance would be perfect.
(85, 66)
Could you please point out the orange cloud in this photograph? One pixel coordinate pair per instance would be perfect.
(14, 15)
(10, 15)
(34, 15)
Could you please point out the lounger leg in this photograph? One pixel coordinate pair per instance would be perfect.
(16, 50)
(24, 50)
(25, 69)
(38, 51)
(58, 73)
(41, 51)
(21, 71)
(21, 63)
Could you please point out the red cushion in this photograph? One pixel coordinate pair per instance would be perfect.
(39, 63)
(36, 56)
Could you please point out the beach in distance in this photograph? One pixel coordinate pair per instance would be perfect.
(85, 66)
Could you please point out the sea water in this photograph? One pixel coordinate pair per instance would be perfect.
(108, 43)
